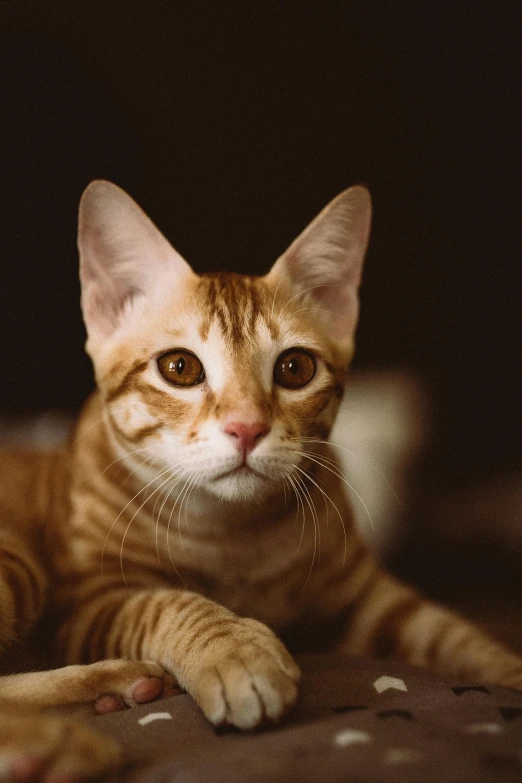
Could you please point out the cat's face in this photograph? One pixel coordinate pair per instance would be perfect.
(216, 380)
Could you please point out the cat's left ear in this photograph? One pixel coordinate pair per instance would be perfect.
(324, 264)
(123, 258)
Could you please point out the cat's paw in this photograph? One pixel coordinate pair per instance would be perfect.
(52, 750)
(116, 684)
(245, 678)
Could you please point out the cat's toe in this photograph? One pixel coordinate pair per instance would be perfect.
(147, 689)
(151, 688)
(122, 683)
(108, 702)
(141, 691)
(249, 687)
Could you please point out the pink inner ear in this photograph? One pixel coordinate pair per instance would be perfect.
(325, 262)
(103, 307)
(122, 256)
(341, 307)
(328, 283)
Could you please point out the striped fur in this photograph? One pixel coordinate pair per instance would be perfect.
(150, 537)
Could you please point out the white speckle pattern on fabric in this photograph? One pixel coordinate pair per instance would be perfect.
(351, 737)
(418, 729)
(395, 756)
(484, 728)
(384, 683)
(152, 716)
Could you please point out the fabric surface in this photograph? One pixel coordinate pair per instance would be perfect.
(356, 720)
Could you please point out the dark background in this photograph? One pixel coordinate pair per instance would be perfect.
(232, 124)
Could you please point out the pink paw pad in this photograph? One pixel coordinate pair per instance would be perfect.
(108, 702)
(147, 689)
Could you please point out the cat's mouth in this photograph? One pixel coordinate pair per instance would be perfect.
(240, 482)
(241, 470)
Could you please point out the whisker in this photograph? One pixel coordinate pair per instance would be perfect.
(167, 532)
(148, 461)
(124, 456)
(304, 489)
(143, 489)
(285, 482)
(148, 497)
(359, 459)
(179, 497)
(192, 494)
(185, 501)
(300, 293)
(316, 458)
(312, 310)
(167, 494)
(317, 483)
(327, 497)
(183, 496)
(310, 500)
(300, 507)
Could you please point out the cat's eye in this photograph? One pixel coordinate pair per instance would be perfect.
(294, 368)
(181, 368)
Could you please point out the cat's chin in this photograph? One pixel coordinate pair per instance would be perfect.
(242, 484)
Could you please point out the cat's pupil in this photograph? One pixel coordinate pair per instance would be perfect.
(293, 366)
(178, 366)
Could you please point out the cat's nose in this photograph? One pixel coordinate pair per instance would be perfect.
(246, 436)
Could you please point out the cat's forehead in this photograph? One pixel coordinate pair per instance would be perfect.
(236, 305)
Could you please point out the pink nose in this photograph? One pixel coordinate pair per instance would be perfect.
(246, 436)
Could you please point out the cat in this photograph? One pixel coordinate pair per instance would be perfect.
(195, 528)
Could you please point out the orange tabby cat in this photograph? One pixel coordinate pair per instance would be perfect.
(196, 515)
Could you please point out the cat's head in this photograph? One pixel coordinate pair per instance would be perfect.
(219, 379)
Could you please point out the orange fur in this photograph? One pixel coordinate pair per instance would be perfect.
(194, 526)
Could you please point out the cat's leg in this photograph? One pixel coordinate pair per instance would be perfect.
(58, 749)
(51, 749)
(235, 668)
(105, 684)
(389, 618)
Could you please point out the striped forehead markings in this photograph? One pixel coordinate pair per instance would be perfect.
(235, 302)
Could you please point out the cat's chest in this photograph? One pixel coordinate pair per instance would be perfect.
(266, 574)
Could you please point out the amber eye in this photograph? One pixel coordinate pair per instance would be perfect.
(181, 368)
(294, 368)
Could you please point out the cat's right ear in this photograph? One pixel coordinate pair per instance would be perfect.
(123, 257)
(324, 264)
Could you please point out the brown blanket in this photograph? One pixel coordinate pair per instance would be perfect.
(356, 720)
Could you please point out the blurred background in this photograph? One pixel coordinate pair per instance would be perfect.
(233, 124)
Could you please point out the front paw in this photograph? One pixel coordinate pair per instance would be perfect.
(121, 683)
(243, 677)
